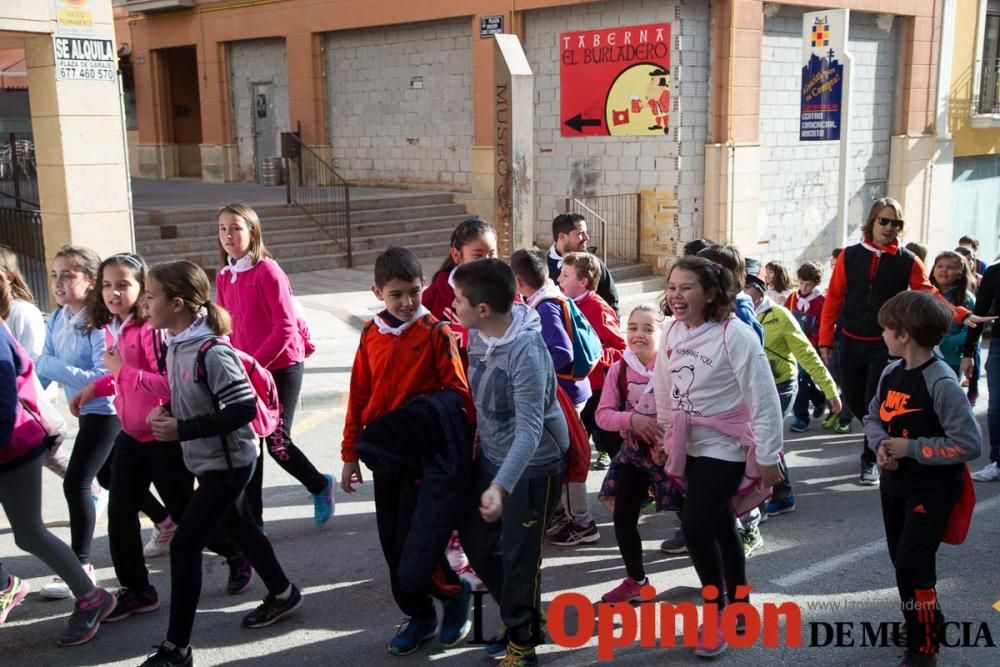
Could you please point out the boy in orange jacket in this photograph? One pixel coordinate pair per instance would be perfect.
(405, 352)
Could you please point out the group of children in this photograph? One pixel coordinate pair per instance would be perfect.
(512, 369)
(163, 383)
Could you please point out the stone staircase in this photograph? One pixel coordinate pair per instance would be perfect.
(420, 221)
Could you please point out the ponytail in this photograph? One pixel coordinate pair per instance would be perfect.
(218, 319)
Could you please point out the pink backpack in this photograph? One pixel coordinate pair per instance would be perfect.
(268, 407)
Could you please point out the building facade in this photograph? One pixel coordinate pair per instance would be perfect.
(403, 94)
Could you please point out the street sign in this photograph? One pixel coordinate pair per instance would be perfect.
(74, 17)
(490, 25)
(85, 59)
(615, 81)
(824, 40)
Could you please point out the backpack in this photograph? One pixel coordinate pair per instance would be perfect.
(578, 453)
(268, 406)
(300, 322)
(587, 346)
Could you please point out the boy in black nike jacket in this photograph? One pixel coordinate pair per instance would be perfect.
(922, 430)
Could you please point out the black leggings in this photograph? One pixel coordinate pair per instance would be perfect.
(709, 524)
(631, 492)
(861, 366)
(218, 501)
(280, 446)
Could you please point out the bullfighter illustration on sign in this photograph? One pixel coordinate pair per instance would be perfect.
(615, 81)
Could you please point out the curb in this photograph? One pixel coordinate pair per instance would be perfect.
(323, 399)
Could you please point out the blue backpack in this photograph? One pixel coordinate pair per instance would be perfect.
(587, 346)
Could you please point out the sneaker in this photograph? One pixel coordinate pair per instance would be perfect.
(496, 647)
(573, 534)
(455, 621)
(800, 425)
(869, 474)
(709, 647)
(168, 655)
(844, 427)
(127, 603)
(240, 574)
(752, 541)
(457, 560)
(776, 506)
(675, 544)
(831, 421)
(159, 541)
(818, 410)
(411, 634)
(519, 656)
(973, 396)
(86, 617)
(273, 608)
(990, 473)
(558, 521)
(627, 591)
(916, 659)
(602, 462)
(12, 596)
(100, 502)
(324, 503)
(58, 589)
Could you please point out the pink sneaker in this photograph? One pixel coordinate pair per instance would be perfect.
(627, 591)
(709, 647)
(12, 596)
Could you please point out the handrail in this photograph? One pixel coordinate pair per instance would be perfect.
(323, 195)
(615, 220)
(604, 225)
(29, 205)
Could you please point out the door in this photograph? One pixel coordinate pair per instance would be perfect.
(265, 128)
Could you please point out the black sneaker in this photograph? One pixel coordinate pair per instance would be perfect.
(675, 544)
(869, 474)
(130, 602)
(272, 609)
(168, 655)
(240, 574)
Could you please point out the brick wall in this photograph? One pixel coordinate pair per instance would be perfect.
(382, 129)
(257, 60)
(672, 167)
(798, 197)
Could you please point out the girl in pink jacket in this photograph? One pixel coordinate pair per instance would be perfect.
(258, 296)
(135, 355)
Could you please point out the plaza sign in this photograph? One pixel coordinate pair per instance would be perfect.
(85, 59)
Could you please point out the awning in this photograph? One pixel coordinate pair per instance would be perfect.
(13, 72)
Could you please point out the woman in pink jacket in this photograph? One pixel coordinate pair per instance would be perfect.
(258, 296)
(136, 358)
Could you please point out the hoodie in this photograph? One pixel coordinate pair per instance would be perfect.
(746, 314)
(201, 426)
(547, 302)
(522, 430)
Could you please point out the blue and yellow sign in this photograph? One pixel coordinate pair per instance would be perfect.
(824, 40)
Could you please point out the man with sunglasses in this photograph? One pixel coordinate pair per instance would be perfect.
(865, 276)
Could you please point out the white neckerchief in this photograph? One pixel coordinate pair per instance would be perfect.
(548, 290)
(632, 361)
(451, 276)
(115, 328)
(555, 255)
(197, 329)
(764, 305)
(580, 297)
(802, 302)
(522, 318)
(244, 263)
(63, 337)
(384, 328)
(871, 248)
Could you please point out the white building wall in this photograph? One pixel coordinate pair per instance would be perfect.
(254, 61)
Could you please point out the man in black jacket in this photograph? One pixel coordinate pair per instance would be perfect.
(988, 303)
(569, 233)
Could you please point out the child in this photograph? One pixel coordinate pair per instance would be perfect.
(73, 356)
(211, 418)
(729, 257)
(720, 436)
(951, 274)
(23, 317)
(404, 352)
(569, 234)
(786, 348)
(578, 279)
(779, 283)
(806, 306)
(523, 438)
(22, 437)
(472, 239)
(637, 469)
(918, 249)
(922, 430)
(252, 287)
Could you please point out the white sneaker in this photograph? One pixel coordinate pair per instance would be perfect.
(100, 502)
(58, 589)
(990, 473)
(159, 541)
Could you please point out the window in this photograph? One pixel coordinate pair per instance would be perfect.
(988, 59)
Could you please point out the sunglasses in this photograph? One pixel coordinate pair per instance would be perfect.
(898, 224)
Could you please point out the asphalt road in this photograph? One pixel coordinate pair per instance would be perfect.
(828, 557)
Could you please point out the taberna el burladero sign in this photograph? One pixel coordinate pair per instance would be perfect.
(824, 41)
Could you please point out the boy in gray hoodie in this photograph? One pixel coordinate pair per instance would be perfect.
(523, 440)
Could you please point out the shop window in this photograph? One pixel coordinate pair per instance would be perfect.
(988, 59)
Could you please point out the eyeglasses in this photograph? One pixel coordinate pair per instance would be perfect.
(898, 224)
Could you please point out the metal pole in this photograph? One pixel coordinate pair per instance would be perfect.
(843, 195)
